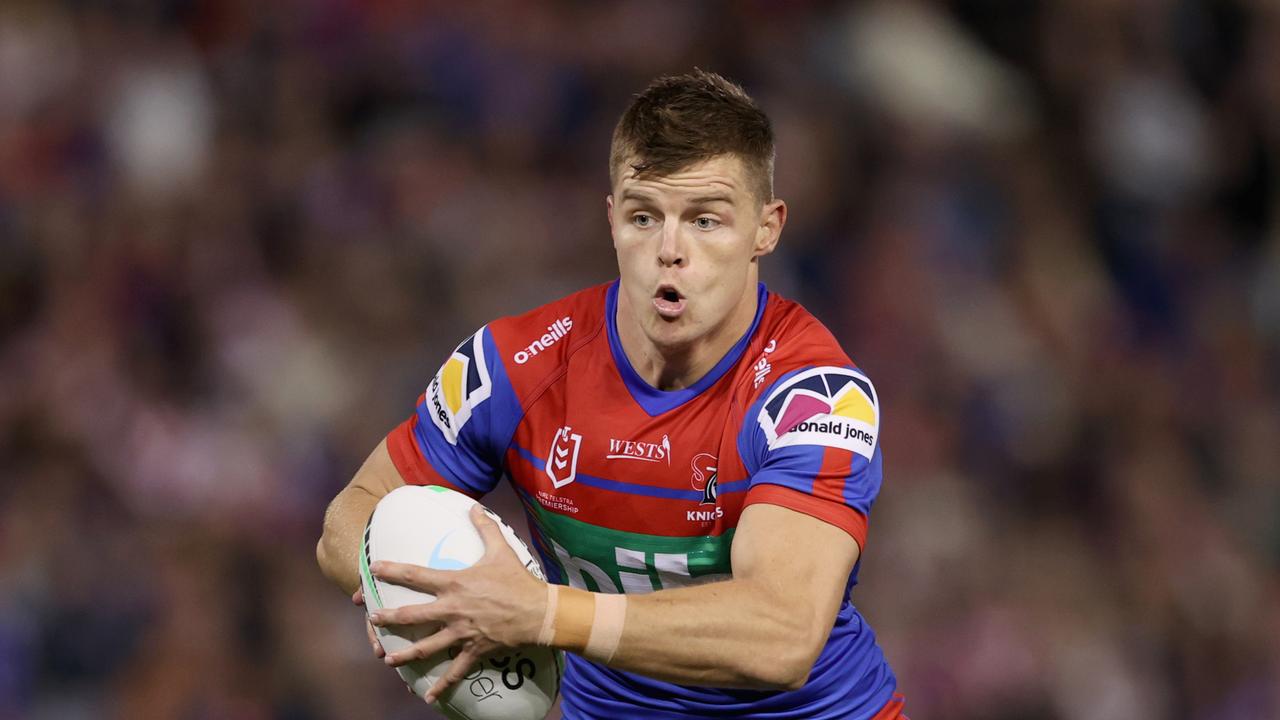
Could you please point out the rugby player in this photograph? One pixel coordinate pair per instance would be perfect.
(697, 456)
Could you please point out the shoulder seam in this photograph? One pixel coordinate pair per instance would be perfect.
(502, 460)
(540, 389)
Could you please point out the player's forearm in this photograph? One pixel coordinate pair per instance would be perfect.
(735, 633)
(338, 551)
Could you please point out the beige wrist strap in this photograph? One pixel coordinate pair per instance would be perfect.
(547, 634)
(589, 624)
(606, 627)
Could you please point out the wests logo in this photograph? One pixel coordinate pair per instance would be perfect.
(830, 406)
(459, 387)
(644, 451)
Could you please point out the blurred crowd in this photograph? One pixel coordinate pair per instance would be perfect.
(237, 239)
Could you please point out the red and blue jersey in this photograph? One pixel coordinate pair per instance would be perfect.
(630, 489)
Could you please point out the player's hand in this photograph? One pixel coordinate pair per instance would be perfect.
(494, 603)
(358, 598)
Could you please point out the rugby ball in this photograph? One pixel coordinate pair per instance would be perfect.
(430, 526)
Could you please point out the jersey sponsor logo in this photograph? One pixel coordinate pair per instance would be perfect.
(704, 478)
(829, 406)
(637, 572)
(643, 451)
(555, 331)
(460, 386)
(762, 368)
(562, 459)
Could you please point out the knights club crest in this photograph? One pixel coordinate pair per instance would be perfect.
(562, 458)
(704, 477)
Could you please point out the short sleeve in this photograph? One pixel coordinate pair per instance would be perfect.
(810, 443)
(464, 422)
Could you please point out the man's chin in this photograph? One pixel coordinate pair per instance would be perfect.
(671, 334)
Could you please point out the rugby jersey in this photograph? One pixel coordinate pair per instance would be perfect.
(632, 489)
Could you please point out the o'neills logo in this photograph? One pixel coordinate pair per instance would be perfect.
(555, 331)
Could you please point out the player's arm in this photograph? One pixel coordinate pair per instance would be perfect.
(339, 547)
(762, 629)
(454, 450)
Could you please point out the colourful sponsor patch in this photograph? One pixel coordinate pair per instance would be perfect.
(829, 406)
(461, 385)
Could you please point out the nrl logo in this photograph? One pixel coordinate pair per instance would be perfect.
(562, 459)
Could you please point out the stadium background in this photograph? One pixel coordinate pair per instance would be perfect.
(237, 238)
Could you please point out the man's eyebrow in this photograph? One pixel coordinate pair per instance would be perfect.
(704, 199)
(635, 195)
(639, 196)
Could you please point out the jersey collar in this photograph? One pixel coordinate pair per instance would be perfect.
(655, 401)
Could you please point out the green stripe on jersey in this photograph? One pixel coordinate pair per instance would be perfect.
(602, 559)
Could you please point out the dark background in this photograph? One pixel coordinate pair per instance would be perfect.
(238, 238)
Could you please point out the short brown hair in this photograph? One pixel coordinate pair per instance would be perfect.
(680, 120)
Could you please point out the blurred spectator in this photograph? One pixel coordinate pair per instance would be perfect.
(236, 240)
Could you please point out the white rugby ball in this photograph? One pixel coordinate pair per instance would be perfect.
(430, 526)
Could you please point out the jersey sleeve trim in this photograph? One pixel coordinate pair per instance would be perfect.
(842, 516)
(409, 460)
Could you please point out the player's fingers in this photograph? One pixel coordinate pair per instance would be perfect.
(424, 648)
(458, 669)
(489, 531)
(357, 597)
(411, 576)
(373, 640)
(411, 614)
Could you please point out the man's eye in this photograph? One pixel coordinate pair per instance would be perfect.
(642, 220)
(706, 223)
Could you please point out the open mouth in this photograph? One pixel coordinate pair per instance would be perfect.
(668, 301)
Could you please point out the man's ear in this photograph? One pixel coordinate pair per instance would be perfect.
(772, 217)
(608, 209)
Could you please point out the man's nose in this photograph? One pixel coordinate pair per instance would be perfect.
(671, 252)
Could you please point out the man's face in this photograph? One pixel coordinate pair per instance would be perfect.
(687, 244)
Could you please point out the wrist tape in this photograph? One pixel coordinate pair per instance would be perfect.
(589, 624)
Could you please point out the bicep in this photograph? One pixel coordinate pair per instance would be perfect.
(796, 559)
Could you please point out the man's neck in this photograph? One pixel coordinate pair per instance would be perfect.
(676, 368)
